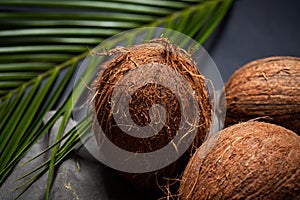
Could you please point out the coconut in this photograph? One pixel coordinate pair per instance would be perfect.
(267, 88)
(249, 160)
(157, 52)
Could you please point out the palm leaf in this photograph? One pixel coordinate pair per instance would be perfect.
(38, 57)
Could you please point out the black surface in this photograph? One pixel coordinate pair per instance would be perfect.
(253, 29)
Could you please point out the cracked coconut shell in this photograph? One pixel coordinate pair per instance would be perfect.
(250, 160)
(268, 89)
(158, 52)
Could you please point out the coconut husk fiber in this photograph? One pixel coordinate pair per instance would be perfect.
(156, 52)
(249, 160)
(268, 89)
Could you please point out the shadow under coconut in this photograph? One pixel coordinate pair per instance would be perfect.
(109, 183)
(117, 187)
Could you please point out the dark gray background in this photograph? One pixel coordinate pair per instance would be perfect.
(252, 29)
(255, 29)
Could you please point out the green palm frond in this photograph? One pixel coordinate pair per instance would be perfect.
(40, 43)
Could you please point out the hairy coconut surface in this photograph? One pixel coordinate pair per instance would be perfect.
(250, 160)
(267, 88)
(156, 52)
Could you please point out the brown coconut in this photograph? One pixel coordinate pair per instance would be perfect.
(157, 51)
(267, 88)
(250, 160)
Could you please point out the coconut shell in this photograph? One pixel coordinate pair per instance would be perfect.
(158, 52)
(250, 160)
(267, 88)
